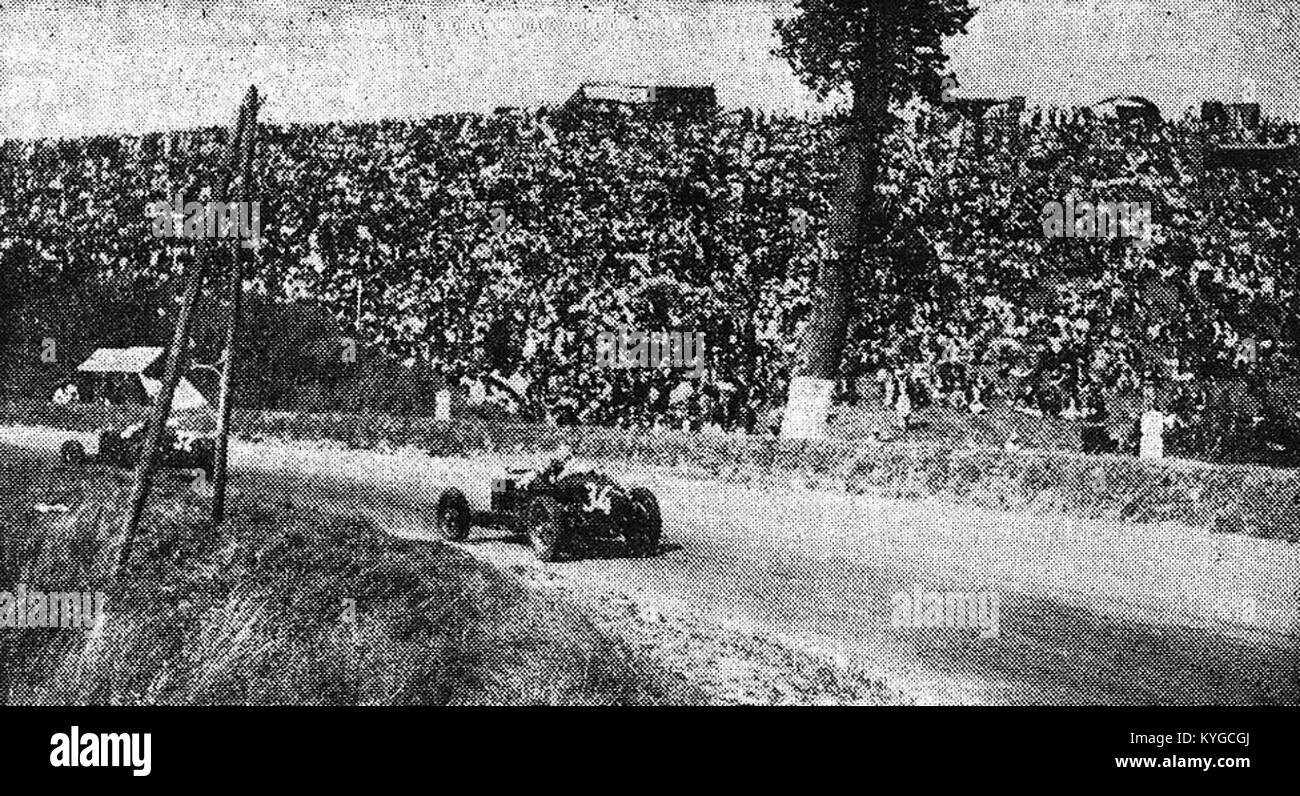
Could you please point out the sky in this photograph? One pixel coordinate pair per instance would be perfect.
(86, 67)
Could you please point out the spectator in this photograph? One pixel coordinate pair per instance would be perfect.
(1096, 436)
(903, 405)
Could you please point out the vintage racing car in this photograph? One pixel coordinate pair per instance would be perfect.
(561, 509)
(180, 450)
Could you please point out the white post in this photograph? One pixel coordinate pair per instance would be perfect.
(808, 406)
(442, 406)
(1152, 445)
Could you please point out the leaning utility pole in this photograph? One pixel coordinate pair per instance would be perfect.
(225, 403)
(177, 354)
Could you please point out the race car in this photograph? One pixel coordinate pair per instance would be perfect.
(179, 450)
(561, 509)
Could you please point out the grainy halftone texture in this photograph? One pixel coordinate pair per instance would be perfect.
(442, 209)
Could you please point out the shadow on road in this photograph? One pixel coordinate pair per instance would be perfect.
(1050, 652)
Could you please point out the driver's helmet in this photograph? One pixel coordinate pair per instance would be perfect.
(556, 461)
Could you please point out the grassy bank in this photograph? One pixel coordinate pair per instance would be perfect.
(283, 605)
(1255, 500)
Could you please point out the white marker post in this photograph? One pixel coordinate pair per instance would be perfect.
(1152, 445)
(807, 409)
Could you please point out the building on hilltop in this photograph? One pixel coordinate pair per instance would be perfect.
(979, 115)
(1243, 115)
(689, 97)
(1126, 109)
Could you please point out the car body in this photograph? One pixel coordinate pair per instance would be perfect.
(179, 449)
(561, 509)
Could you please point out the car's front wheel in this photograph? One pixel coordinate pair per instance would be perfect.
(73, 453)
(647, 529)
(109, 446)
(453, 515)
(545, 523)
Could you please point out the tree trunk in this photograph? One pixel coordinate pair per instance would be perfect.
(854, 231)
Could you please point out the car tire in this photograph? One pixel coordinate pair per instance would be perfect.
(648, 530)
(108, 446)
(205, 456)
(453, 515)
(73, 453)
(545, 523)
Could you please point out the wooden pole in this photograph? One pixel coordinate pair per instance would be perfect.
(225, 404)
(176, 357)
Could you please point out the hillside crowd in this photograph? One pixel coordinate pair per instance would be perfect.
(466, 245)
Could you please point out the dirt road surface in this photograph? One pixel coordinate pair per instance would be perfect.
(1088, 612)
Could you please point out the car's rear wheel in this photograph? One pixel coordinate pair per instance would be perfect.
(73, 453)
(646, 531)
(545, 524)
(453, 515)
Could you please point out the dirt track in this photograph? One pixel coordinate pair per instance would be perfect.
(1090, 612)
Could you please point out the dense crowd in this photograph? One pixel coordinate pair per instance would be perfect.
(503, 244)
(1203, 312)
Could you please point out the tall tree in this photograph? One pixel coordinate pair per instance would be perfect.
(881, 53)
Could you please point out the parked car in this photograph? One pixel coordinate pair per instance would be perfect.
(180, 450)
